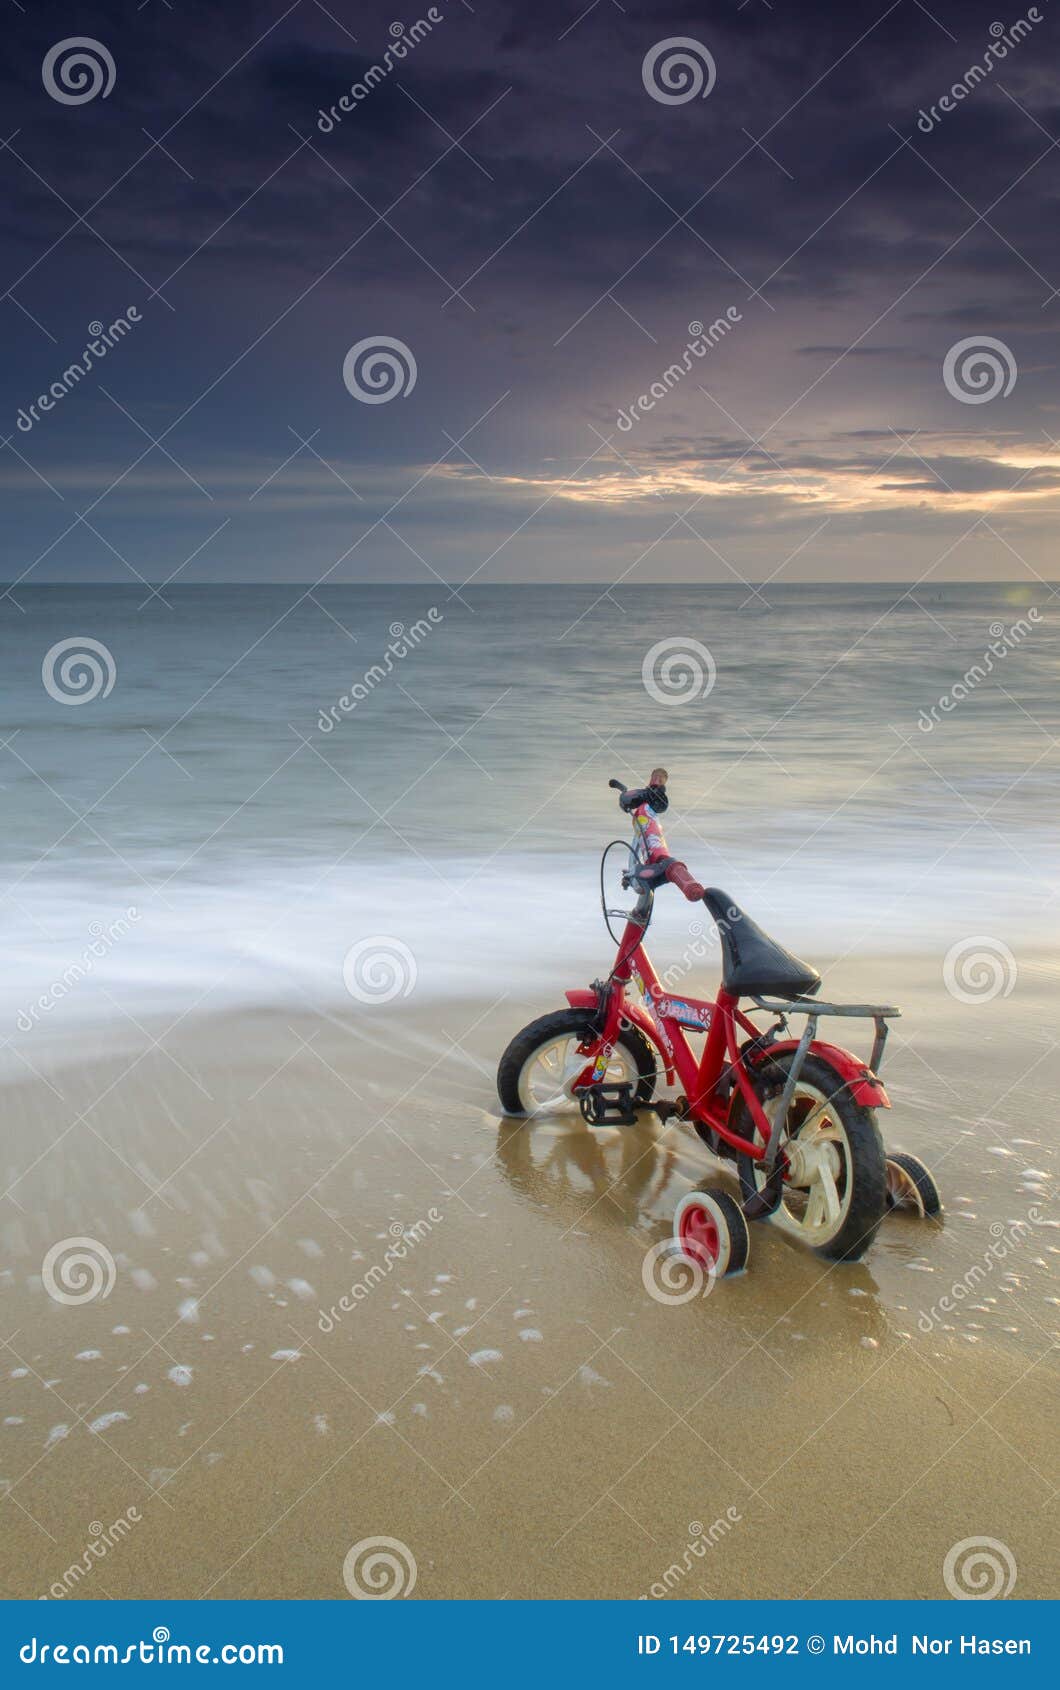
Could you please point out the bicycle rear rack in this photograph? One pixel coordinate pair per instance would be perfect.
(880, 1014)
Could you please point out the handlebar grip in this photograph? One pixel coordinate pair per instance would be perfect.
(678, 875)
(619, 785)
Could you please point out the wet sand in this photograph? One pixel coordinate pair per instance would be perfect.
(508, 1400)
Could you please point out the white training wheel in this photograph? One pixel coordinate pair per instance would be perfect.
(710, 1230)
(910, 1185)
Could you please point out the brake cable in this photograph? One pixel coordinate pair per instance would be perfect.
(625, 914)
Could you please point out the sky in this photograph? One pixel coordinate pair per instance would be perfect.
(546, 211)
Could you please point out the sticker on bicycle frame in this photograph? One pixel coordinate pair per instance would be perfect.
(654, 838)
(650, 1006)
(686, 1014)
(600, 1065)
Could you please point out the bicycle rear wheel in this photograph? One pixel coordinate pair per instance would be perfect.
(835, 1191)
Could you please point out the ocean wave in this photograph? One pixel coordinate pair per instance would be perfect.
(310, 933)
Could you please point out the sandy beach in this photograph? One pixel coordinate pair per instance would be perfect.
(499, 502)
(506, 1398)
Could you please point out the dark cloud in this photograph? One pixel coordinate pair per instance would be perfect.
(585, 226)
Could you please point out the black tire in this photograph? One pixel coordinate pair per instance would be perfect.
(574, 1022)
(862, 1163)
(921, 1177)
(733, 1231)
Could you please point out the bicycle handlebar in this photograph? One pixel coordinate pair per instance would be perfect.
(678, 875)
(646, 804)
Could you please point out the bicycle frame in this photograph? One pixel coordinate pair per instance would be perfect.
(705, 1081)
(796, 1114)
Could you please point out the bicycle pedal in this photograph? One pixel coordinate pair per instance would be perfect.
(609, 1105)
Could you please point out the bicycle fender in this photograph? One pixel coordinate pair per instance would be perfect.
(582, 999)
(864, 1086)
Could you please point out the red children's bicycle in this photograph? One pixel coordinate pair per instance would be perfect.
(796, 1115)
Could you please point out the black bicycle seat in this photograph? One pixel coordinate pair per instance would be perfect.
(753, 964)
